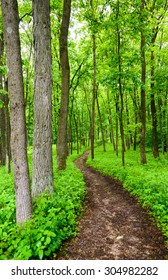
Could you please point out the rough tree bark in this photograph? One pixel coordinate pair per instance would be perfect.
(2, 110)
(42, 143)
(65, 68)
(7, 130)
(17, 112)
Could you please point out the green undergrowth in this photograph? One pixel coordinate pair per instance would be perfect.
(149, 182)
(54, 217)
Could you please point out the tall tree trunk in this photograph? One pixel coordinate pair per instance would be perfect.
(135, 118)
(2, 109)
(112, 140)
(128, 136)
(89, 116)
(162, 122)
(153, 106)
(92, 131)
(42, 143)
(110, 122)
(77, 133)
(120, 86)
(143, 93)
(93, 97)
(164, 128)
(17, 112)
(161, 107)
(153, 111)
(65, 68)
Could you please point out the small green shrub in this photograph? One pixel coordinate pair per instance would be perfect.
(54, 218)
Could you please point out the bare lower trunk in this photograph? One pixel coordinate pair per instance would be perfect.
(17, 113)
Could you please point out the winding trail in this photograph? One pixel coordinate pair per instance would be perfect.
(114, 226)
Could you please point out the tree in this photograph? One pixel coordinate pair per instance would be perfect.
(143, 91)
(157, 19)
(101, 122)
(42, 143)
(65, 84)
(94, 91)
(120, 82)
(17, 112)
(2, 108)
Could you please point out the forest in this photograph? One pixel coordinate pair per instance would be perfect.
(82, 83)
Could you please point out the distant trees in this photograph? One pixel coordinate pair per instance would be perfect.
(115, 92)
(127, 69)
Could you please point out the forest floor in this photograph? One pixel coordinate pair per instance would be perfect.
(113, 226)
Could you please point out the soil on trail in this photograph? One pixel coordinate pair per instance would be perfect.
(114, 226)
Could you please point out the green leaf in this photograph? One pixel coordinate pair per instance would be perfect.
(41, 254)
(48, 240)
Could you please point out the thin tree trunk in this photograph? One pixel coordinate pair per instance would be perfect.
(143, 94)
(17, 112)
(128, 136)
(42, 178)
(93, 97)
(117, 117)
(110, 122)
(153, 111)
(92, 132)
(120, 87)
(135, 118)
(164, 142)
(2, 109)
(65, 68)
(162, 123)
(101, 124)
(90, 118)
(77, 133)
(153, 107)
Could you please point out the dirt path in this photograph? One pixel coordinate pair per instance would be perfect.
(114, 226)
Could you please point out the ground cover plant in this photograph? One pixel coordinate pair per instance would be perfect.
(149, 182)
(54, 218)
